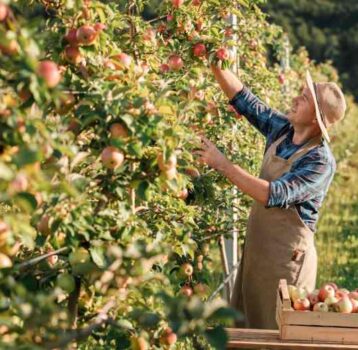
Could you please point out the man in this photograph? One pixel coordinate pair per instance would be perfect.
(297, 170)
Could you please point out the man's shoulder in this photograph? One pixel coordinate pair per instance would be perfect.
(321, 155)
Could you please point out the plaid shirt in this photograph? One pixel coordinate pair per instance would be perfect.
(307, 182)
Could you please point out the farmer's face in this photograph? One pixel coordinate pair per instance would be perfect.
(302, 110)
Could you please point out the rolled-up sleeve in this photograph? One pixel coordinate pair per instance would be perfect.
(301, 184)
(262, 117)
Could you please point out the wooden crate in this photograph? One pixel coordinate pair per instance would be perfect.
(313, 326)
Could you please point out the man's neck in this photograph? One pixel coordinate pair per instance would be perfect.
(302, 135)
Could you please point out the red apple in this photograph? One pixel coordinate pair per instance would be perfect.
(175, 62)
(112, 158)
(199, 50)
(342, 292)
(4, 10)
(124, 60)
(43, 225)
(118, 131)
(201, 289)
(177, 3)
(52, 260)
(73, 54)
(281, 78)
(196, 2)
(149, 35)
(320, 307)
(71, 37)
(223, 54)
(344, 305)
(19, 184)
(167, 164)
(170, 17)
(333, 285)
(183, 194)
(354, 305)
(49, 72)
(326, 291)
(186, 270)
(353, 295)
(313, 297)
(164, 68)
(301, 304)
(86, 35)
(186, 291)
(168, 337)
(99, 27)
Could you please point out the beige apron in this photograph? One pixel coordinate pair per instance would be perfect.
(278, 244)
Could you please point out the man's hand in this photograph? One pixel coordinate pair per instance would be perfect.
(210, 155)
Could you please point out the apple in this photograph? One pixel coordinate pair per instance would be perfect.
(112, 157)
(71, 37)
(124, 60)
(353, 295)
(192, 172)
(118, 131)
(177, 3)
(320, 307)
(139, 343)
(164, 68)
(79, 256)
(298, 293)
(168, 337)
(354, 305)
(186, 291)
(196, 2)
(99, 27)
(4, 232)
(199, 50)
(10, 48)
(52, 260)
(183, 194)
(5, 261)
(19, 184)
(313, 297)
(333, 285)
(167, 164)
(175, 62)
(301, 304)
(340, 293)
(67, 101)
(326, 291)
(43, 225)
(86, 35)
(49, 72)
(149, 35)
(281, 78)
(66, 282)
(201, 289)
(73, 54)
(223, 54)
(331, 300)
(344, 305)
(186, 270)
(4, 11)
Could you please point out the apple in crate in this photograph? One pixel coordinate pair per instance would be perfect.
(313, 297)
(326, 291)
(301, 304)
(320, 307)
(297, 292)
(331, 300)
(344, 305)
(342, 292)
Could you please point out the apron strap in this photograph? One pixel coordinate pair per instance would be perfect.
(312, 143)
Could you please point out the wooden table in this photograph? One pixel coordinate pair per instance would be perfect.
(240, 338)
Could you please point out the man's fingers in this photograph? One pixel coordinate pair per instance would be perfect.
(206, 141)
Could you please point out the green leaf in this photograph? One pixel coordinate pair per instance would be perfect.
(143, 190)
(26, 201)
(97, 255)
(217, 337)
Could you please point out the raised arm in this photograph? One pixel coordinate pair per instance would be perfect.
(262, 117)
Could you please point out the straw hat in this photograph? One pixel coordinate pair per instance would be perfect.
(329, 101)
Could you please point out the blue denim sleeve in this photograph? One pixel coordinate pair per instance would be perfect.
(309, 177)
(262, 117)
